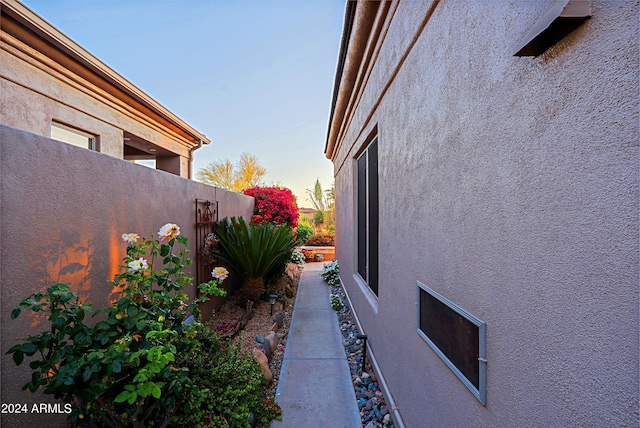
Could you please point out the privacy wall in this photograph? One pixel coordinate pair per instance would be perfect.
(63, 210)
(508, 185)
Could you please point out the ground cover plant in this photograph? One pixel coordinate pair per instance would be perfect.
(130, 368)
(331, 273)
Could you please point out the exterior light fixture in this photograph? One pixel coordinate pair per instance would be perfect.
(363, 337)
(272, 301)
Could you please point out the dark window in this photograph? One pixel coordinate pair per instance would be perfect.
(368, 215)
(456, 336)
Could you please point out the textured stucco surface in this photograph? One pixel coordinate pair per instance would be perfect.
(510, 186)
(36, 91)
(63, 210)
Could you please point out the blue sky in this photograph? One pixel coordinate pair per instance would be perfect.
(254, 76)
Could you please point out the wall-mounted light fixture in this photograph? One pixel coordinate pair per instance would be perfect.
(562, 18)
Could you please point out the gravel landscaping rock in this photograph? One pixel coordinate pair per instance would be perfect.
(373, 408)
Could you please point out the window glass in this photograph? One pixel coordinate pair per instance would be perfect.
(367, 230)
(73, 136)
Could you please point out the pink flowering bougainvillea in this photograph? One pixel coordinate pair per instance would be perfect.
(274, 205)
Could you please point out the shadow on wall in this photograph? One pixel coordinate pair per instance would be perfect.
(68, 259)
(74, 235)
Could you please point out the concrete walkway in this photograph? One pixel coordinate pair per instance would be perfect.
(315, 389)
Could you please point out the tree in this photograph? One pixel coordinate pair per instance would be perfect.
(331, 204)
(225, 175)
(324, 204)
(317, 197)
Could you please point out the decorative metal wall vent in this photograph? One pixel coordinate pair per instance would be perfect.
(456, 336)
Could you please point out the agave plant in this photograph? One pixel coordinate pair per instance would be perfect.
(254, 250)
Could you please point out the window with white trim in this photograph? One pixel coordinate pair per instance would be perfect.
(72, 136)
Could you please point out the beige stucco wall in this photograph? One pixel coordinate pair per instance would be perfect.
(36, 91)
(510, 186)
(63, 210)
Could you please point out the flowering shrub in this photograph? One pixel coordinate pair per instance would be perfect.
(274, 205)
(336, 303)
(325, 239)
(309, 254)
(297, 257)
(330, 273)
(124, 370)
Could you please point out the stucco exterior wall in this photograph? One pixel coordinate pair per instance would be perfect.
(510, 186)
(63, 210)
(33, 99)
(46, 77)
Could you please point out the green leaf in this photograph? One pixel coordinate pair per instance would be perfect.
(87, 374)
(165, 250)
(124, 395)
(116, 366)
(156, 392)
(15, 313)
(29, 348)
(18, 357)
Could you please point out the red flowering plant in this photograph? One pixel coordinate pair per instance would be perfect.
(274, 205)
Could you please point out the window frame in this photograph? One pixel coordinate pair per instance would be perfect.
(367, 215)
(91, 138)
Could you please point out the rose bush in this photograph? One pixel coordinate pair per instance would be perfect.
(125, 369)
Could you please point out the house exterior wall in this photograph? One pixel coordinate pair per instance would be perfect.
(510, 186)
(33, 98)
(63, 210)
(46, 77)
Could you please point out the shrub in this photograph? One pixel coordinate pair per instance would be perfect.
(297, 257)
(330, 273)
(303, 233)
(232, 384)
(274, 205)
(336, 303)
(326, 239)
(256, 251)
(121, 371)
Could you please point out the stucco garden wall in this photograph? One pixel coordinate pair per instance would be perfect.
(63, 210)
(510, 186)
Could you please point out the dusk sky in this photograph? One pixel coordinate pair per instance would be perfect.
(253, 76)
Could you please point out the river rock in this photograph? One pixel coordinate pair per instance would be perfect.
(264, 363)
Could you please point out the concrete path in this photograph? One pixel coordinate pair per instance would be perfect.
(315, 389)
